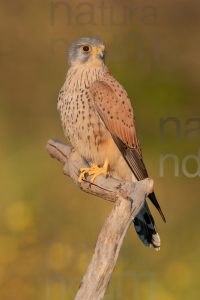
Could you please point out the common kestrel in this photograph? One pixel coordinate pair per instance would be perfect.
(98, 119)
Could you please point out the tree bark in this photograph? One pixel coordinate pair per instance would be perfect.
(128, 197)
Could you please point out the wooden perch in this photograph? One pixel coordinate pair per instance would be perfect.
(128, 197)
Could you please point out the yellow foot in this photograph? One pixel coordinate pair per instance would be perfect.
(93, 171)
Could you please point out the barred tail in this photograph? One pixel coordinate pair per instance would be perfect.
(145, 228)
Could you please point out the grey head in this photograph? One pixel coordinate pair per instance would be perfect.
(86, 49)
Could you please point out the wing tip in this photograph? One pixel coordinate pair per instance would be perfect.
(153, 199)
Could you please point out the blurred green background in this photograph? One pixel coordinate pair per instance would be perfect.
(48, 227)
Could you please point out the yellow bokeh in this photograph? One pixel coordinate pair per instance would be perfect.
(8, 249)
(18, 216)
(178, 275)
(163, 294)
(57, 256)
(69, 252)
(17, 288)
(2, 273)
(83, 261)
(56, 291)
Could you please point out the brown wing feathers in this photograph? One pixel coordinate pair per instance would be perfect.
(115, 110)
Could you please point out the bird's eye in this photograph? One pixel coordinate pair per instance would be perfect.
(86, 48)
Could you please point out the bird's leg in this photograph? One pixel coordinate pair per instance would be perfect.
(93, 171)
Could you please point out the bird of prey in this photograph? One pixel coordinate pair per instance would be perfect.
(98, 119)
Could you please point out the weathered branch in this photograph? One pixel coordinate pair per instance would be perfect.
(128, 198)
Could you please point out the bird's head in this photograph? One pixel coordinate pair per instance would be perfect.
(87, 50)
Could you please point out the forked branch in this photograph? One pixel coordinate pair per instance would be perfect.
(128, 197)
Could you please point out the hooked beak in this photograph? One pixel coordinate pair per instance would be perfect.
(98, 52)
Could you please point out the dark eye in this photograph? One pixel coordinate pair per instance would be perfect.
(86, 48)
